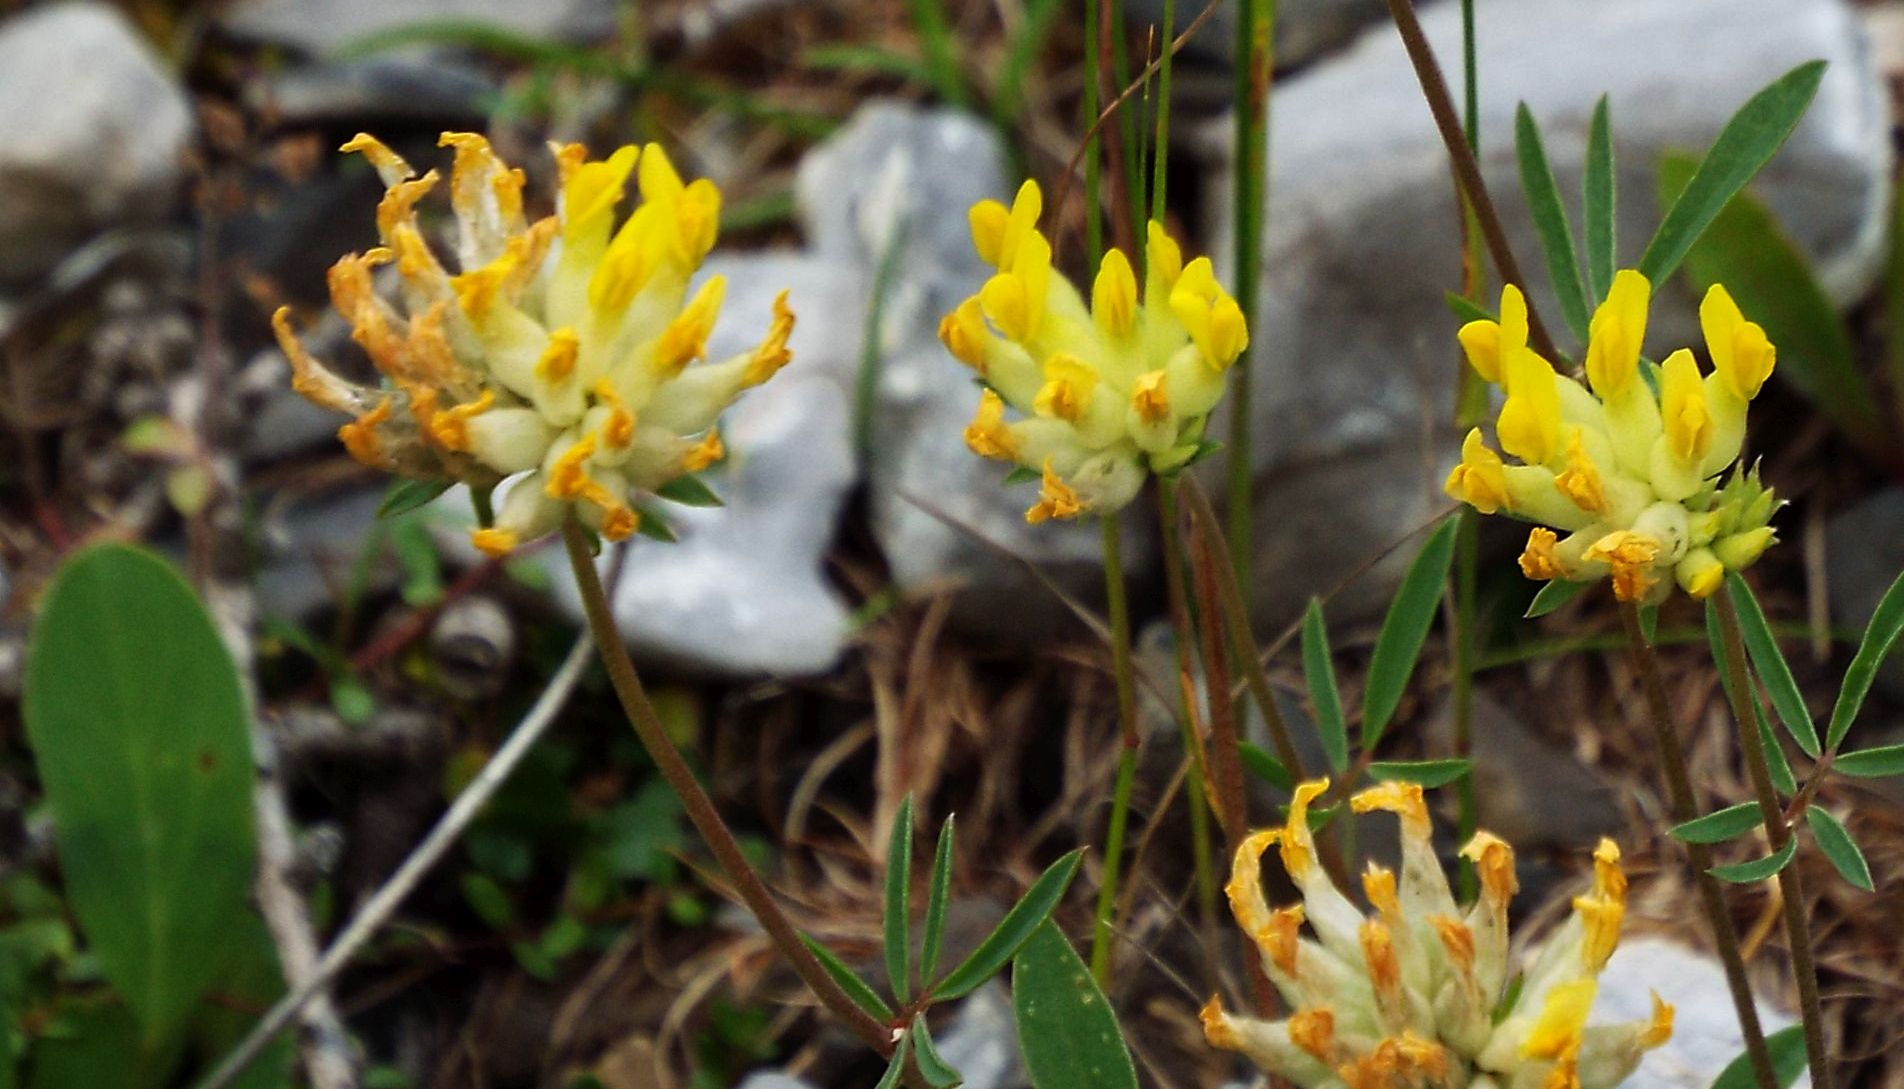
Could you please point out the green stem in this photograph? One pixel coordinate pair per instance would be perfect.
(1127, 756)
(1778, 831)
(1255, 67)
(1160, 155)
(1685, 807)
(698, 806)
(1093, 166)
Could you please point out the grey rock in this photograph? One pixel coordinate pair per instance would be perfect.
(982, 1041)
(1705, 1028)
(899, 175)
(1305, 29)
(1356, 359)
(324, 28)
(92, 128)
(1864, 552)
(311, 545)
(774, 1080)
(374, 93)
(1528, 791)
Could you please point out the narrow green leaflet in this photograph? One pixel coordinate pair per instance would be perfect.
(1780, 768)
(896, 1067)
(1552, 596)
(1002, 944)
(1769, 662)
(1428, 773)
(937, 1072)
(653, 525)
(1021, 475)
(689, 491)
(1465, 308)
(1834, 839)
(1787, 1047)
(1319, 671)
(407, 495)
(1066, 1030)
(1258, 762)
(1601, 241)
(898, 915)
(1774, 752)
(936, 899)
(1404, 630)
(1550, 221)
(1771, 279)
(856, 989)
(142, 740)
(1746, 873)
(1880, 763)
(1727, 823)
(1746, 144)
(1880, 635)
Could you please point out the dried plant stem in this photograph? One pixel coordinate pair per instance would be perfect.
(699, 807)
(1467, 169)
(1467, 563)
(1685, 808)
(1255, 65)
(1778, 831)
(1119, 608)
(1198, 795)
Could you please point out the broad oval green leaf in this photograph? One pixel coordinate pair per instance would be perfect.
(1066, 1029)
(1787, 1048)
(1759, 869)
(1834, 839)
(141, 737)
(1745, 145)
(1728, 823)
(1427, 773)
(856, 989)
(1769, 663)
(1550, 221)
(1879, 763)
(936, 898)
(1318, 669)
(1601, 242)
(898, 913)
(1013, 930)
(1880, 635)
(1404, 630)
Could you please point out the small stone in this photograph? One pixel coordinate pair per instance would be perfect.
(1705, 1027)
(92, 130)
(1864, 551)
(1356, 361)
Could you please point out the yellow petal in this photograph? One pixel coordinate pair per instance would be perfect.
(1683, 410)
(1114, 295)
(1616, 333)
(1740, 351)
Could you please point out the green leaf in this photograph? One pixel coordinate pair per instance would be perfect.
(1066, 1029)
(1769, 663)
(936, 899)
(689, 491)
(1746, 873)
(897, 1066)
(407, 495)
(1834, 839)
(1429, 773)
(1780, 768)
(1774, 752)
(898, 914)
(1880, 763)
(98, 1045)
(1880, 635)
(1319, 671)
(141, 737)
(937, 1072)
(1404, 630)
(1746, 144)
(1770, 278)
(1550, 221)
(488, 900)
(651, 524)
(871, 59)
(1602, 240)
(1021, 475)
(1465, 308)
(1649, 622)
(856, 989)
(1787, 1047)
(1727, 823)
(1270, 770)
(1552, 596)
(1013, 930)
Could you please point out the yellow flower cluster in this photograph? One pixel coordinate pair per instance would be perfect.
(1108, 393)
(1626, 465)
(559, 352)
(1409, 998)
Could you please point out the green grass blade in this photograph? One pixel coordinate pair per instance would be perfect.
(1759, 869)
(1880, 635)
(1550, 221)
(1745, 145)
(1834, 839)
(1728, 823)
(1602, 238)
(936, 900)
(898, 914)
(1318, 669)
(1067, 1031)
(1026, 916)
(1009, 96)
(1878, 763)
(1404, 629)
(941, 50)
(856, 989)
(1769, 662)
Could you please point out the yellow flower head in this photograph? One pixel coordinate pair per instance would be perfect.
(564, 352)
(1621, 473)
(1410, 996)
(1106, 390)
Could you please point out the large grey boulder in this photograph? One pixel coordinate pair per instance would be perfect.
(92, 130)
(1355, 354)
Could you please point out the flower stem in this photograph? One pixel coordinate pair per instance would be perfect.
(1685, 808)
(698, 806)
(1467, 402)
(1127, 745)
(1198, 794)
(1254, 62)
(1778, 831)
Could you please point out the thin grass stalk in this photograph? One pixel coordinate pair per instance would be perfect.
(1119, 608)
(1254, 63)
(698, 806)
(1160, 155)
(1685, 807)
(1778, 832)
(1120, 151)
(1198, 794)
(1093, 165)
(1467, 535)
